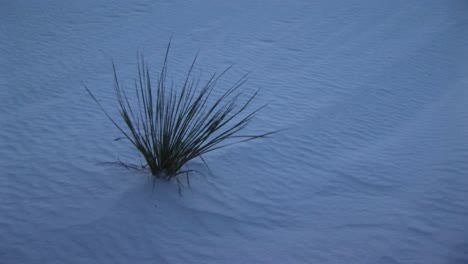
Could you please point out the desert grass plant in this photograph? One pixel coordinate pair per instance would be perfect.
(170, 126)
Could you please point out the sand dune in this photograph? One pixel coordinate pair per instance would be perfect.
(372, 166)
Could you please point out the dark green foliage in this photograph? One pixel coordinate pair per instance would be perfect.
(171, 126)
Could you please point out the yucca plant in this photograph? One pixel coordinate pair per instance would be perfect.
(169, 126)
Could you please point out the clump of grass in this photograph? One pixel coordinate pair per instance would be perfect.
(171, 126)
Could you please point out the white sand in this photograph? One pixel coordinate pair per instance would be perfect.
(372, 169)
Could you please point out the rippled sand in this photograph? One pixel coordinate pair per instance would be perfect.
(373, 166)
